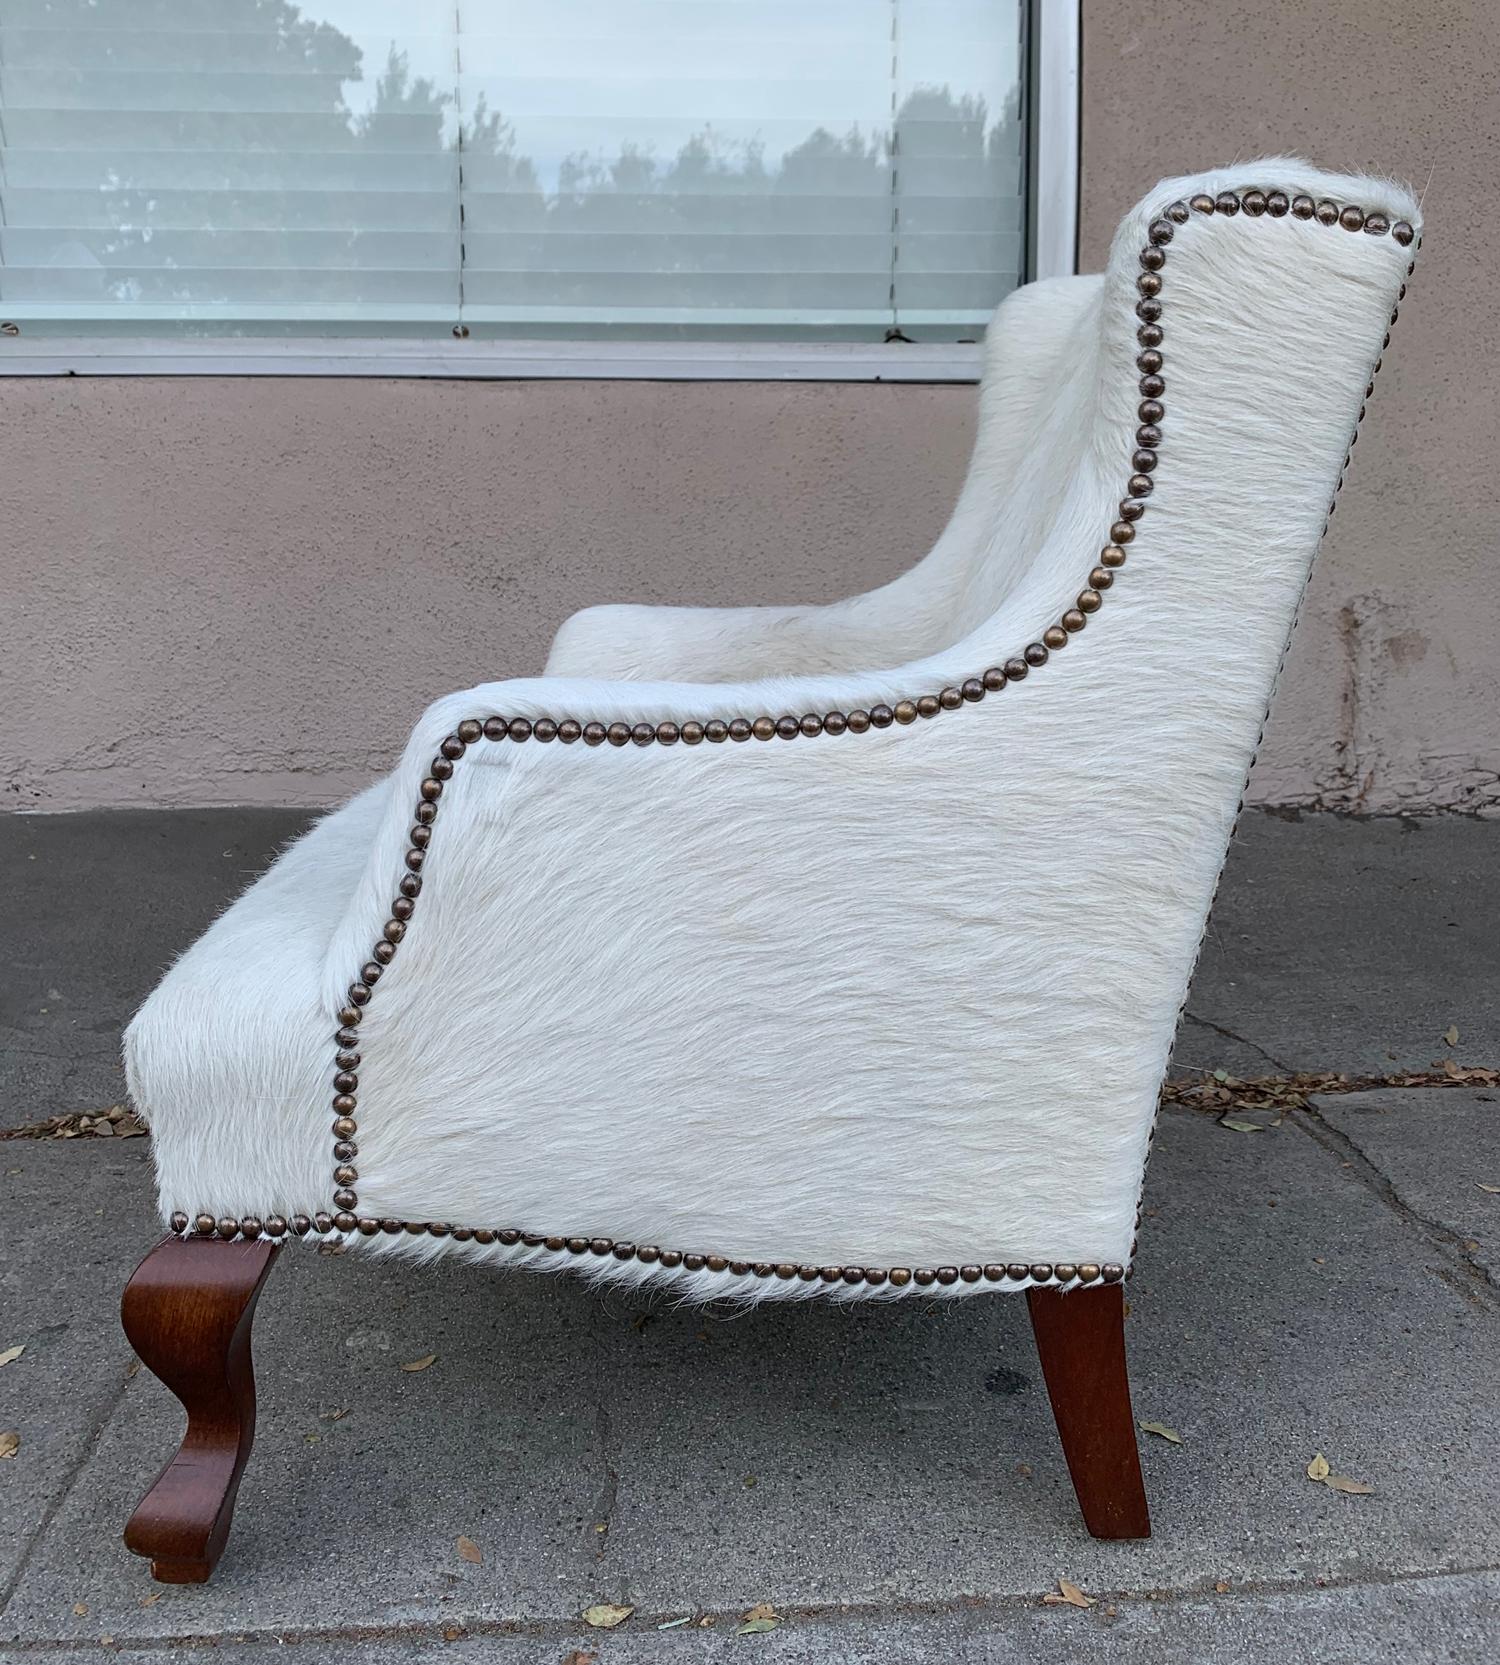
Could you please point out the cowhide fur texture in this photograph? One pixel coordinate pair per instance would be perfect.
(900, 998)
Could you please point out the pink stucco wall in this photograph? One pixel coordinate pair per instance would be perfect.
(1388, 698)
(242, 591)
(245, 590)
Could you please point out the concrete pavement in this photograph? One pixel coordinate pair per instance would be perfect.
(887, 1478)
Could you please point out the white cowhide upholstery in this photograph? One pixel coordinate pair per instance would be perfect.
(897, 999)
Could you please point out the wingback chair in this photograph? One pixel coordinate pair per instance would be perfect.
(805, 953)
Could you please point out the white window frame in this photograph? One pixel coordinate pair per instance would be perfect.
(1054, 42)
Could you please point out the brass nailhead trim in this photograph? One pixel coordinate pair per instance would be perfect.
(1151, 411)
(345, 1223)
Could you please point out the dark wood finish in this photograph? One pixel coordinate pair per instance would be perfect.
(187, 1311)
(1080, 1336)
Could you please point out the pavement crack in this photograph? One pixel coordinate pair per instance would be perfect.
(70, 1478)
(609, 1490)
(1230, 1035)
(1476, 1284)
(824, 1616)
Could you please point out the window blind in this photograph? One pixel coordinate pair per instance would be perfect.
(732, 169)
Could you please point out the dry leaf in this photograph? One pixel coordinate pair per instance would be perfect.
(1342, 1483)
(1222, 1587)
(755, 1627)
(80, 1610)
(1240, 1127)
(468, 1551)
(605, 1615)
(1161, 1430)
(151, 1600)
(1450, 1035)
(579, 1657)
(1317, 1469)
(451, 1633)
(761, 1610)
(10, 1443)
(1494, 1190)
(11, 1354)
(420, 1364)
(1068, 1594)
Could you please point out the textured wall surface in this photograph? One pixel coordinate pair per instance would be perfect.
(245, 590)
(1388, 698)
(239, 591)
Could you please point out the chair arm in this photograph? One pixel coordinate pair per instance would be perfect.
(608, 704)
(853, 978)
(697, 644)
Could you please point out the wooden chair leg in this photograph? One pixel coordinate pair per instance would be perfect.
(187, 1311)
(1081, 1339)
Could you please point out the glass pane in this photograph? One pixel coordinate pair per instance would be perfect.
(754, 169)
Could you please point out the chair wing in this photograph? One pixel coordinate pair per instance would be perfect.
(1037, 333)
(856, 980)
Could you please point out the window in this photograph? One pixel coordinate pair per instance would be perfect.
(506, 171)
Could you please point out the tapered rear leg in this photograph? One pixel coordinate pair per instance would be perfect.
(187, 1311)
(1081, 1339)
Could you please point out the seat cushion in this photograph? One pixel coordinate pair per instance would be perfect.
(228, 1060)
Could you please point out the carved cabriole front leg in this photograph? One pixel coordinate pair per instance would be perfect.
(187, 1311)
